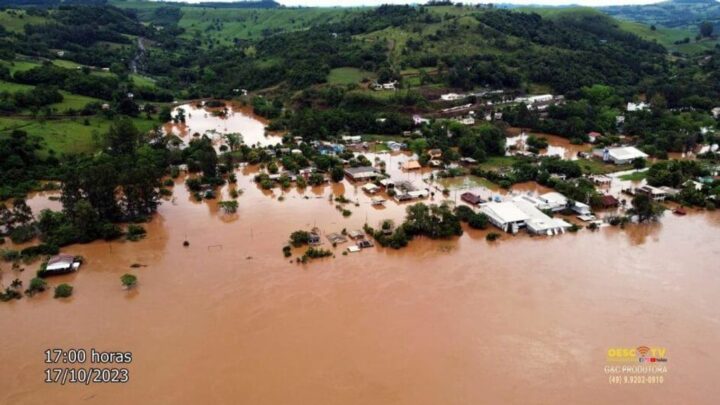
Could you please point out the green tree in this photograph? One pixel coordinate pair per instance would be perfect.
(645, 208)
(706, 29)
(128, 280)
(122, 137)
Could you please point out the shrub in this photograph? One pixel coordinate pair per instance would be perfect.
(315, 253)
(193, 184)
(492, 236)
(128, 280)
(36, 285)
(287, 252)
(10, 294)
(478, 221)
(135, 232)
(23, 234)
(229, 206)
(110, 231)
(63, 291)
(299, 238)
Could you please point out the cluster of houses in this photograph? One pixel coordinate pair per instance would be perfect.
(539, 102)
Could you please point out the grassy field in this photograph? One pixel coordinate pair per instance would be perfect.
(140, 80)
(668, 36)
(637, 176)
(13, 87)
(73, 101)
(498, 162)
(596, 166)
(225, 25)
(70, 100)
(347, 75)
(662, 35)
(67, 136)
(15, 20)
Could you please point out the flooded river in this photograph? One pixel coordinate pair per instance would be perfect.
(229, 320)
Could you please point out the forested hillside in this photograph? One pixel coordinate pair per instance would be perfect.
(102, 60)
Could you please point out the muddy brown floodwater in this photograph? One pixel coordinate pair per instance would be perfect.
(229, 320)
(236, 119)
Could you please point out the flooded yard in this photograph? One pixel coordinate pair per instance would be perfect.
(228, 318)
(557, 145)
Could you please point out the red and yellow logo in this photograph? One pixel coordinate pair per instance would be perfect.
(640, 354)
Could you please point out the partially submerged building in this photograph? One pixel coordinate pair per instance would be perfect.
(539, 223)
(61, 264)
(620, 155)
(361, 173)
(505, 215)
(471, 198)
(654, 193)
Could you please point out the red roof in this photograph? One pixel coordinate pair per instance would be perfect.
(609, 201)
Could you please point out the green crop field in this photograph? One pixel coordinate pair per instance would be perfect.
(348, 75)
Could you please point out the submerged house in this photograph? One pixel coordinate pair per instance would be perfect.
(620, 155)
(411, 165)
(361, 173)
(471, 198)
(653, 192)
(61, 264)
(370, 188)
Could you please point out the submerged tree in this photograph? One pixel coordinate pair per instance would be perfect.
(645, 208)
(128, 280)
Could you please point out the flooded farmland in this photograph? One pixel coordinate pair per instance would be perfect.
(217, 121)
(228, 319)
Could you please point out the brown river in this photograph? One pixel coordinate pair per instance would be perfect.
(464, 321)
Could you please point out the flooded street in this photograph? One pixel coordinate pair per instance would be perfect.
(229, 320)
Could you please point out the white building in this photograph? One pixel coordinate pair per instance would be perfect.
(542, 98)
(370, 188)
(620, 155)
(641, 106)
(452, 97)
(538, 223)
(505, 215)
(653, 192)
(554, 201)
(581, 208)
(716, 112)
